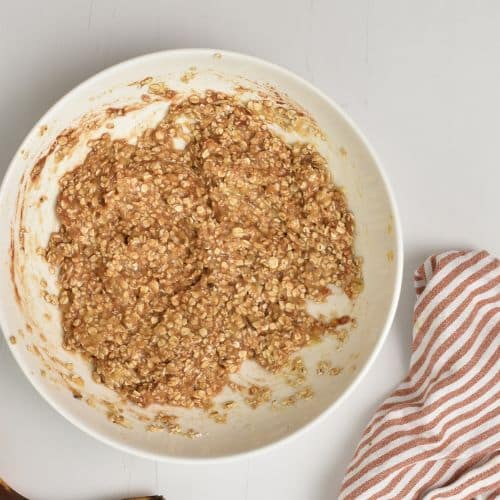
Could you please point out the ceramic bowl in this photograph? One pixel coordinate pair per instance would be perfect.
(27, 218)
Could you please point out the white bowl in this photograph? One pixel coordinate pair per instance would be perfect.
(34, 323)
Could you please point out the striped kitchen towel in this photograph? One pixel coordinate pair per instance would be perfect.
(438, 434)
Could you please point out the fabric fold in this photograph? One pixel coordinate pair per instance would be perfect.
(438, 434)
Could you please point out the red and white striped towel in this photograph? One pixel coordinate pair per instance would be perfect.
(438, 434)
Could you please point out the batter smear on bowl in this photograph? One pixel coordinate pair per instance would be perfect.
(195, 249)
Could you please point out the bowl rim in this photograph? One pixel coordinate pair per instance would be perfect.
(115, 443)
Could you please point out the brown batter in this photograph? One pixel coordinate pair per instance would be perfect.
(176, 265)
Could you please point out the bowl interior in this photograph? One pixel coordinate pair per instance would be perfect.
(28, 210)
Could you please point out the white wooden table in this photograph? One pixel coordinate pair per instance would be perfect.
(421, 78)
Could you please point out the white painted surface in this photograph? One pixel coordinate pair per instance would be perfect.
(421, 79)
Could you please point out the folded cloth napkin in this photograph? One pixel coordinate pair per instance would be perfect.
(438, 434)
